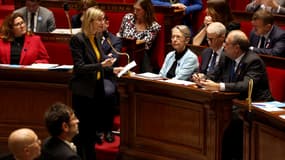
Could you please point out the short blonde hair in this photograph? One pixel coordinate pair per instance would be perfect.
(92, 13)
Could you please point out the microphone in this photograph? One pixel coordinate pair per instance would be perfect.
(66, 11)
(106, 35)
(250, 87)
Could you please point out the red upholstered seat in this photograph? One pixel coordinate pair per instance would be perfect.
(246, 27)
(276, 78)
(59, 53)
(108, 151)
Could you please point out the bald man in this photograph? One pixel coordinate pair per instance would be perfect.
(24, 144)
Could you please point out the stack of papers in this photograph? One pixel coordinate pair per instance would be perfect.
(149, 75)
(127, 68)
(270, 106)
(176, 81)
(41, 66)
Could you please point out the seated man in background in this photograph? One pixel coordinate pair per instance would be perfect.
(233, 75)
(216, 33)
(266, 38)
(24, 144)
(182, 62)
(62, 124)
(76, 20)
(276, 7)
(39, 19)
(109, 40)
(265, 5)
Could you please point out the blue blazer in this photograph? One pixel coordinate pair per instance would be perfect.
(275, 44)
(186, 66)
(192, 5)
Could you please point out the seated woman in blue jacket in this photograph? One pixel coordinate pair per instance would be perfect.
(182, 62)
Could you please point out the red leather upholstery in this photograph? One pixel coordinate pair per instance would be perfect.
(60, 17)
(59, 53)
(108, 151)
(276, 78)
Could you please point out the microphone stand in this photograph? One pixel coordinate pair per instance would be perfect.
(66, 11)
(117, 52)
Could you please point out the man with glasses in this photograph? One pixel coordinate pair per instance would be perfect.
(211, 56)
(24, 144)
(62, 124)
(233, 75)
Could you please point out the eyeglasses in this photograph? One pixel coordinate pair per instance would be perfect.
(19, 24)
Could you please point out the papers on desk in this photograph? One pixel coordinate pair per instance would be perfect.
(66, 31)
(41, 66)
(127, 68)
(282, 116)
(176, 81)
(270, 106)
(148, 75)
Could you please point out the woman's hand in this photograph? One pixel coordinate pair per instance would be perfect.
(117, 70)
(108, 62)
(207, 20)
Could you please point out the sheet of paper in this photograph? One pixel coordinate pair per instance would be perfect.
(127, 68)
(41, 66)
(269, 106)
(282, 116)
(64, 67)
(149, 75)
(176, 81)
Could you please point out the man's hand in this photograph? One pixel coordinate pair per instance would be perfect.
(210, 85)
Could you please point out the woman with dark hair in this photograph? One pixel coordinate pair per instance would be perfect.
(17, 46)
(141, 26)
(217, 11)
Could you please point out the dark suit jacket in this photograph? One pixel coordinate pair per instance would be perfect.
(251, 66)
(55, 149)
(206, 57)
(275, 45)
(84, 81)
(33, 51)
(116, 42)
(75, 21)
(46, 21)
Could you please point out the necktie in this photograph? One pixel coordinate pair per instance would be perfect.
(262, 42)
(97, 53)
(171, 71)
(213, 62)
(32, 23)
(232, 71)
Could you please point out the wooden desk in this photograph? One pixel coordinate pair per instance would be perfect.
(247, 16)
(25, 96)
(264, 134)
(166, 121)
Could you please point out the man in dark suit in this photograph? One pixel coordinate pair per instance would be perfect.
(233, 74)
(266, 38)
(211, 56)
(62, 124)
(239, 66)
(113, 40)
(39, 19)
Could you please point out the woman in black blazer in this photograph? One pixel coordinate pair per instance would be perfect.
(93, 83)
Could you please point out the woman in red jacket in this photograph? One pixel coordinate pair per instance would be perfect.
(19, 47)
